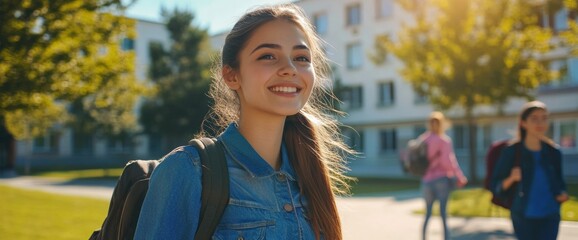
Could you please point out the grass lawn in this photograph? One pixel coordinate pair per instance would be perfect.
(28, 214)
(100, 173)
(475, 202)
(368, 186)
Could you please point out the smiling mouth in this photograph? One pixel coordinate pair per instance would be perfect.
(284, 89)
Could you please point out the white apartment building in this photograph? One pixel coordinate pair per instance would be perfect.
(384, 111)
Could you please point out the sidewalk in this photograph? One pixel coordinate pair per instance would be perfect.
(388, 216)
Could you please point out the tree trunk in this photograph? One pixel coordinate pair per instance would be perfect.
(472, 130)
(473, 152)
(7, 149)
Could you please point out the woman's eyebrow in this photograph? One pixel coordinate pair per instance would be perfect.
(277, 46)
(300, 46)
(266, 45)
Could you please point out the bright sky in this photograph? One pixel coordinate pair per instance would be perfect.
(215, 15)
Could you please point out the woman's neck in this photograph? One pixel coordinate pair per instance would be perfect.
(265, 137)
(532, 143)
(438, 133)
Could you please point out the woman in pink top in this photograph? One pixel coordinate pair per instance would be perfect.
(443, 173)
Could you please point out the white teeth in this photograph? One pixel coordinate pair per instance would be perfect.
(284, 89)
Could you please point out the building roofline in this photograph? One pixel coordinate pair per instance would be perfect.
(144, 20)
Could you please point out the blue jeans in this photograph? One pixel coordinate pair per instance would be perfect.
(437, 189)
(545, 228)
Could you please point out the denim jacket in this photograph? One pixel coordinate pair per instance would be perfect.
(552, 166)
(263, 204)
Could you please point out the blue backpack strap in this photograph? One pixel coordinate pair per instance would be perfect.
(215, 185)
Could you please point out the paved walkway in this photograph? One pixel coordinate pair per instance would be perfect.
(371, 217)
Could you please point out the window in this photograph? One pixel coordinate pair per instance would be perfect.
(155, 145)
(321, 23)
(561, 68)
(384, 8)
(82, 144)
(354, 139)
(567, 70)
(353, 15)
(568, 134)
(354, 56)
(388, 140)
(386, 94)
(561, 20)
(353, 97)
(45, 144)
(461, 137)
(420, 98)
(573, 71)
(557, 21)
(127, 44)
(119, 144)
(418, 130)
(485, 137)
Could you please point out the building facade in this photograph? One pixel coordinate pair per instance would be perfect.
(383, 110)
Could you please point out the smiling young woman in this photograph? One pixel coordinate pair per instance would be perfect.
(283, 146)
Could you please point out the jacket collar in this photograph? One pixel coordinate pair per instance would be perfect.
(245, 155)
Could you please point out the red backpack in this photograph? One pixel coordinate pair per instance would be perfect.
(491, 159)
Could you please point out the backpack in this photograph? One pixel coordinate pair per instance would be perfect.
(492, 157)
(416, 162)
(132, 186)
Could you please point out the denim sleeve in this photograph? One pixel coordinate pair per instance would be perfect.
(172, 204)
(502, 170)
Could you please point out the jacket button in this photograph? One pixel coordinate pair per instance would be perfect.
(281, 177)
(288, 207)
(240, 238)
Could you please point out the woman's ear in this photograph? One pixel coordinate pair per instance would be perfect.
(231, 78)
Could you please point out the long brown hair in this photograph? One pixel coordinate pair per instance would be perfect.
(315, 147)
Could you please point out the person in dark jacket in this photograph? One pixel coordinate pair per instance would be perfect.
(530, 168)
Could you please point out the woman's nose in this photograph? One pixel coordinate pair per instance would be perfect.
(288, 69)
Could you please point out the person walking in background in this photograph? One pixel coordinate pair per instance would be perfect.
(531, 170)
(443, 174)
(283, 148)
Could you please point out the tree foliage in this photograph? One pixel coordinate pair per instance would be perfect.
(61, 61)
(468, 53)
(181, 76)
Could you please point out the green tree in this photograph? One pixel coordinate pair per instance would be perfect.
(468, 53)
(61, 55)
(181, 75)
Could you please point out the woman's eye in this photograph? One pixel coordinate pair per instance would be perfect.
(302, 59)
(266, 57)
